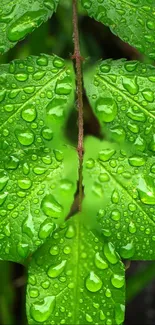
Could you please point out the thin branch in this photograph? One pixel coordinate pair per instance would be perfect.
(79, 84)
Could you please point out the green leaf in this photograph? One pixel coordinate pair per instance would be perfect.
(132, 20)
(75, 278)
(121, 94)
(120, 196)
(19, 18)
(37, 178)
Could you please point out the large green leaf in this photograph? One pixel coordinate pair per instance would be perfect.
(19, 18)
(38, 172)
(120, 195)
(132, 20)
(121, 94)
(75, 278)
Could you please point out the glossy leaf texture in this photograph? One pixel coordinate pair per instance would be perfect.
(121, 94)
(132, 20)
(37, 178)
(76, 278)
(120, 198)
(19, 18)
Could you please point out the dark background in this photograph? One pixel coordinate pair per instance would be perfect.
(97, 42)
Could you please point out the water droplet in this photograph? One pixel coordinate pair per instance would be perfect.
(131, 66)
(54, 250)
(24, 184)
(70, 233)
(89, 318)
(58, 63)
(3, 198)
(119, 314)
(90, 163)
(51, 207)
(25, 24)
(21, 76)
(135, 115)
(22, 250)
(104, 177)
(55, 109)
(136, 161)
(148, 95)
(55, 270)
(25, 137)
(28, 226)
(117, 280)
(47, 133)
(127, 251)
(115, 197)
(58, 155)
(100, 263)
(93, 282)
(115, 215)
(3, 179)
(109, 252)
(64, 86)
(108, 293)
(146, 191)
(42, 310)
(29, 113)
(34, 293)
(106, 109)
(106, 154)
(46, 229)
(132, 228)
(102, 315)
(130, 84)
(11, 163)
(153, 169)
(42, 60)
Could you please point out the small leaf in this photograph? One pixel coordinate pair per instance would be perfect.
(120, 196)
(133, 21)
(75, 278)
(121, 94)
(19, 18)
(37, 180)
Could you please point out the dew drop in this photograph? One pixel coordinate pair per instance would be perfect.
(55, 270)
(109, 252)
(100, 263)
(106, 109)
(106, 154)
(26, 137)
(51, 207)
(42, 310)
(127, 251)
(93, 282)
(117, 280)
(46, 229)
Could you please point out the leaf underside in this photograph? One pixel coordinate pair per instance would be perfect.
(120, 194)
(19, 18)
(121, 94)
(132, 20)
(37, 182)
(75, 278)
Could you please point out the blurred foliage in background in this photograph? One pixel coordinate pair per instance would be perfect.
(97, 42)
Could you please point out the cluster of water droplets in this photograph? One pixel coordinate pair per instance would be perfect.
(17, 20)
(125, 191)
(122, 96)
(130, 20)
(73, 285)
(33, 187)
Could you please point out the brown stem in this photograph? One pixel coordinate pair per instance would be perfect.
(79, 90)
